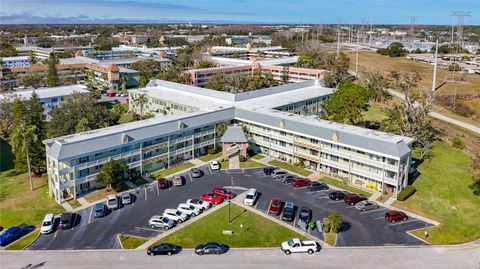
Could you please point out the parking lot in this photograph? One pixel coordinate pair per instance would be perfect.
(360, 228)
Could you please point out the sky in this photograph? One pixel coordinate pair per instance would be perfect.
(236, 11)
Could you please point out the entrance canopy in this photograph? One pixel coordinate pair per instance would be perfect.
(234, 134)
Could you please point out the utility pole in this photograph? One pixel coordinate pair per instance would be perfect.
(460, 20)
(356, 59)
(435, 67)
(338, 38)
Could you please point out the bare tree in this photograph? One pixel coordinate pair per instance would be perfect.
(375, 82)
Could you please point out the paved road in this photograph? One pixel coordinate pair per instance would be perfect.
(443, 117)
(466, 257)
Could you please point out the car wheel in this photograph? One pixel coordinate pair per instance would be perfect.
(200, 253)
(169, 253)
(393, 221)
(151, 254)
(288, 252)
(166, 227)
(336, 199)
(310, 251)
(363, 210)
(194, 215)
(404, 219)
(180, 221)
(153, 226)
(218, 252)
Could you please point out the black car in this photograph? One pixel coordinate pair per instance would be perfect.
(163, 249)
(288, 211)
(336, 195)
(305, 214)
(268, 170)
(66, 221)
(288, 179)
(317, 186)
(211, 248)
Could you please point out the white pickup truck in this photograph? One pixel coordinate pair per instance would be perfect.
(297, 245)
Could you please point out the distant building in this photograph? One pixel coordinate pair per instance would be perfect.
(16, 61)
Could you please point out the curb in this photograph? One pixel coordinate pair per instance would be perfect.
(119, 241)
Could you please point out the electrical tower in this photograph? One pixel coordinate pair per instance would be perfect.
(460, 20)
(412, 27)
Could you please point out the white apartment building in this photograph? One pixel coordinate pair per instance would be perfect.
(16, 61)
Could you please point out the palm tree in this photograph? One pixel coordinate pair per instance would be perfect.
(25, 135)
(140, 101)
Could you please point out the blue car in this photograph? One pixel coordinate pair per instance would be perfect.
(12, 234)
(268, 170)
(99, 210)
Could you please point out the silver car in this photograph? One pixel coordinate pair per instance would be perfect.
(112, 202)
(366, 205)
(126, 198)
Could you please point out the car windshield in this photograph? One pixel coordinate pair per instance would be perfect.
(47, 223)
(290, 242)
(63, 221)
(275, 205)
(288, 209)
(249, 196)
(178, 213)
(192, 207)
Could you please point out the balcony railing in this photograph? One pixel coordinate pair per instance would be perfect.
(104, 160)
(306, 144)
(360, 159)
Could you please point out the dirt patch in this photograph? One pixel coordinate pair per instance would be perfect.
(465, 105)
(472, 142)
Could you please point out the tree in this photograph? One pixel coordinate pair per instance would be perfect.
(395, 49)
(216, 82)
(113, 173)
(221, 128)
(410, 117)
(31, 79)
(148, 68)
(45, 42)
(51, 73)
(140, 101)
(21, 139)
(82, 125)
(124, 80)
(475, 168)
(32, 58)
(377, 84)
(204, 64)
(6, 115)
(34, 117)
(7, 50)
(143, 81)
(333, 223)
(347, 104)
(454, 67)
(174, 74)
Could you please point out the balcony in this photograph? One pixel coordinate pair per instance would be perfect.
(359, 159)
(156, 146)
(104, 160)
(204, 143)
(71, 183)
(307, 156)
(282, 149)
(204, 133)
(306, 144)
(334, 164)
(181, 139)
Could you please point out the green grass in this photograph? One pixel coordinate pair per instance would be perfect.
(374, 113)
(443, 195)
(342, 185)
(330, 238)
(23, 242)
(257, 231)
(6, 156)
(250, 164)
(131, 242)
(139, 181)
(98, 195)
(291, 168)
(167, 172)
(20, 205)
(209, 157)
(257, 157)
(74, 203)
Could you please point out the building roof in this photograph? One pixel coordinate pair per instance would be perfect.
(48, 92)
(15, 58)
(234, 134)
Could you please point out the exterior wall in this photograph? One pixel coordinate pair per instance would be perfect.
(18, 61)
(243, 149)
(156, 106)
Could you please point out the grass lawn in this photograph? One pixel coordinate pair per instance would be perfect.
(250, 164)
(139, 181)
(23, 242)
(167, 172)
(257, 157)
(291, 168)
(74, 203)
(257, 231)
(330, 238)
(98, 195)
(131, 242)
(374, 113)
(208, 157)
(19, 205)
(443, 195)
(6, 156)
(341, 185)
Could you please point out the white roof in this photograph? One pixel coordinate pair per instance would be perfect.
(48, 92)
(15, 58)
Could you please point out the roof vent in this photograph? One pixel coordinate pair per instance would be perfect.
(125, 138)
(282, 124)
(181, 125)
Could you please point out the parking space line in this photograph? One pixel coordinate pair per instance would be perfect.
(371, 211)
(379, 218)
(210, 170)
(55, 234)
(145, 194)
(74, 221)
(158, 192)
(149, 229)
(190, 176)
(350, 206)
(403, 222)
(90, 216)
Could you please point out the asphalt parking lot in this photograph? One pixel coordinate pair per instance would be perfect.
(360, 228)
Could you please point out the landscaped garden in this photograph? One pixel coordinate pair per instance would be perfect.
(131, 242)
(173, 170)
(249, 230)
(290, 167)
(23, 242)
(344, 186)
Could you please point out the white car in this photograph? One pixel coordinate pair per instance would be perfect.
(112, 202)
(161, 222)
(47, 224)
(175, 215)
(189, 209)
(296, 245)
(199, 203)
(214, 165)
(251, 197)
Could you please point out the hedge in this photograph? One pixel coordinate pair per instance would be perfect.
(408, 191)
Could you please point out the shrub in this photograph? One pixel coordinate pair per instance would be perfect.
(408, 191)
(211, 151)
(333, 223)
(458, 143)
(242, 158)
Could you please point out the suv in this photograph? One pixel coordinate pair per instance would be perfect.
(317, 186)
(66, 221)
(336, 195)
(126, 198)
(275, 207)
(352, 199)
(163, 183)
(288, 211)
(305, 214)
(268, 170)
(161, 222)
(251, 197)
(189, 209)
(277, 174)
(366, 205)
(112, 202)
(175, 215)
(300, 182)
(177, 181)
(394, 216)
(47, 224)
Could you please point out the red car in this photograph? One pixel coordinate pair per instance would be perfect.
(393, 216)
(212, 198)
(275, 207)
(352, 199)
(300, 182)
(111, 94)
(163, 183)
(223, 193)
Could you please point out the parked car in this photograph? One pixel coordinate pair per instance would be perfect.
(47, 224)
(126, 198)
(214, 165)
(366, 205)
(212, 198)
(268, 170)
(251, 197)
(300, 182)
(287, 179)
(352, 199)
(199, 203)
(163, 183)
(99, 210)
(161, 222)
(163, 249)
(223, 193)
(112, 202)
(275, 207)
(211, 248)
(336, 195)
(195, 172)
(175, 215)
(66, 220)
(277, 174)
(296, 245)
(13, 233)
(288, 212)
(111, 94)
(177, 181)
(305, 214)
(394, 216)
(190, 210)
(317, 186)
